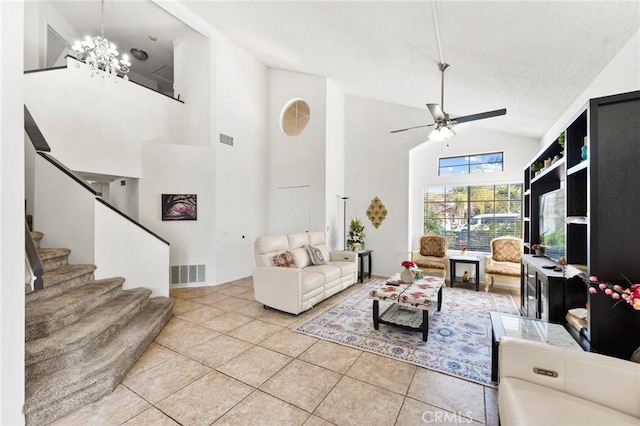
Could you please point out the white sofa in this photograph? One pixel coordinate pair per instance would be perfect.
(297, 289)
(590, 389)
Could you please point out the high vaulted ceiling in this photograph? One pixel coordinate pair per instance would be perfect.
(532, 57)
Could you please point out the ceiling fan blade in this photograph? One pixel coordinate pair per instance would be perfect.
(479, 116)
(436, 112)
(411, 128)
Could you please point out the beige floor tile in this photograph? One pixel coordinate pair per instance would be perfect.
(231, 304)
(260, 409)
(211, 299)
(219, 350)
(255, 331)
(201, 315)
(491, 406)
(288, 342)
(253, 309)
(234, 290)
(245, 282)
(183, 305)
(418, 413)
(205, 400)
(330, 355)
(181, 335)
(353, 402)
(193, 292)
(152, 356)
(302, 384)
(151, 417)
(160, 381)
(227, 322)
(453, 394)
(385, 372)
(255, 366)
(115, 408)
(317, 421)
(279, 318)
(248, 294)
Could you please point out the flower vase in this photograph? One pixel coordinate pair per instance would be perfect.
(635, 357)
(407, 276)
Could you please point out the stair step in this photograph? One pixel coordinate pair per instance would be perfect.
(53, 258)
(81, 340)
(50, 397)
(61, 279)
(48, 315)
(36, 236)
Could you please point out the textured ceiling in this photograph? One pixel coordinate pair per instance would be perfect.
(532, 57)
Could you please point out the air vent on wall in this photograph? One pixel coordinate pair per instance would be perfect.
(225, 139)
(184, 274)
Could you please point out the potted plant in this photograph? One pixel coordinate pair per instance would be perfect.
(355, 238)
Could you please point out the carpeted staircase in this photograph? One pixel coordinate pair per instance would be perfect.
(82, 335)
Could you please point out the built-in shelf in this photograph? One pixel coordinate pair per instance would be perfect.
(578, 167)
(548, 170)
(577, 220)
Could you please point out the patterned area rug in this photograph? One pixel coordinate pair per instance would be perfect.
(459, 341)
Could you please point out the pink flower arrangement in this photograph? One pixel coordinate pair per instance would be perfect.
(629, 295)
(536, 246)
(409, 264)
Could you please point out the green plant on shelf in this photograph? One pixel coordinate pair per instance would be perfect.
(561, 140)
(536, 167)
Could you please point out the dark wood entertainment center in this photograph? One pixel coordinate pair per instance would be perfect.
(601, 227)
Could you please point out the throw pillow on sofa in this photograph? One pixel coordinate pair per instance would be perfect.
(317, 258)
(284, 259)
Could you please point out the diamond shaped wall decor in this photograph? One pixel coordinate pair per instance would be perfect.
(376, 212)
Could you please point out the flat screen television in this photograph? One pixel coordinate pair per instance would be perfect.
(552, 224)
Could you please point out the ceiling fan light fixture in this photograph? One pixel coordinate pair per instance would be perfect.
(441, 133)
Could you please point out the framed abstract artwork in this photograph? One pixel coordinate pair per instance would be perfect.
(179, 207)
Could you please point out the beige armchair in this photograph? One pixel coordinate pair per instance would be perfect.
(504, 260)
(431, 255)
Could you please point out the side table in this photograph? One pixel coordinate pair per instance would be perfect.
(473, 260)
(528, 329)
(361, 255)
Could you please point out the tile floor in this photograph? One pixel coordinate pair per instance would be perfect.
(225, 360)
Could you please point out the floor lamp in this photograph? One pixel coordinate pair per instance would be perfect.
(344, 212)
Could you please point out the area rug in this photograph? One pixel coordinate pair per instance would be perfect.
(459, 341)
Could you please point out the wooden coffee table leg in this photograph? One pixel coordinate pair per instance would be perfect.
(376, 309)
(425, 325)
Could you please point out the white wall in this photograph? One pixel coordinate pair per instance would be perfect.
(194, 83)
(377, 164)
(11, 214)
(124, 197)
(97, 125)
(181, 169)
(297, 160)
(621, 75)
(64, 212)
(241, 169)
(395, 168)
(124, 249)
(39, 15)
(334, 167)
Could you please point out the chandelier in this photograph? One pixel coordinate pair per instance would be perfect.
(100, 54)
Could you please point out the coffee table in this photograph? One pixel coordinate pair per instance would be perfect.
(410, 303)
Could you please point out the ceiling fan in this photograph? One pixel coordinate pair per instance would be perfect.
(443, 121)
